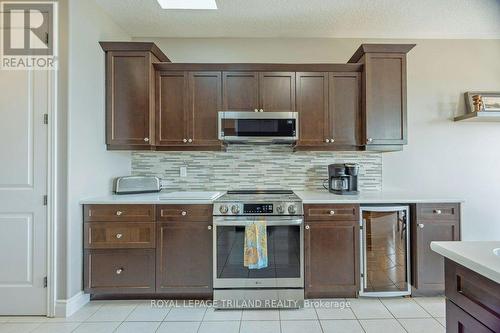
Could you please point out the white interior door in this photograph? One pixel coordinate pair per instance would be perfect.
(23, 184)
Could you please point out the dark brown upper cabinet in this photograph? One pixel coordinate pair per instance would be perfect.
(186, 110)
(344, 116)
(130, 94)
(383, 95)
(312, 106)
(258, 91)
(205, 101)
(431, 222)
(240, 91)
(329, 106)
(277, 91)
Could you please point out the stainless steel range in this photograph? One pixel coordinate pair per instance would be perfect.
(281, 283)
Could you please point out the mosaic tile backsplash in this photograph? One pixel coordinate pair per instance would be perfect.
(253, 166)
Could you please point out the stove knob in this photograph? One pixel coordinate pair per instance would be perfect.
(235, 209)
(280, 209)
(292, 209)
(223, 209)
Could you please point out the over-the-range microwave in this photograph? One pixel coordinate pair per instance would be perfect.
(258, 127)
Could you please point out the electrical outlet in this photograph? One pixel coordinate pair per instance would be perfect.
(183, 171)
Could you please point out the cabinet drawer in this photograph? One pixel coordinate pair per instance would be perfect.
(202, 213)
(100, 235)
(119, 271)
(331, 212)
(474, 293)
(438, 211)
(459, 321)
(127, 213)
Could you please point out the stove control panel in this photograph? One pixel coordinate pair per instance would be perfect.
(258, 208)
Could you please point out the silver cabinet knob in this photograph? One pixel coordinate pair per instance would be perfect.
(190, 140)
(307, 227)
(332, 212)
(146, 139)
(183, 213)
(118, 213)
(119, 236)
(421, 225)
(369, 140)
(184, 140)
(256, 110)
(437, 211)
(119, 271)
(261, 110)
(332, 140)
(209, 227)
(327, 140)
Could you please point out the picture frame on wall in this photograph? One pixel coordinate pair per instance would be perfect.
(482, 101)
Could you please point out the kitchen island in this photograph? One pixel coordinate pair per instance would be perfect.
(472, 285)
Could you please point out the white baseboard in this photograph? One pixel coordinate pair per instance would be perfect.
(66, 307)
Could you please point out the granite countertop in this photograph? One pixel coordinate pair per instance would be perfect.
(308, 197)
(477, 256)
(375, 197)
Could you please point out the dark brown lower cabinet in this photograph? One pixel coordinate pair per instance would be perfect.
(331, 251)
(431, 222)
(472, 301)
(184, 259)
(119, 271)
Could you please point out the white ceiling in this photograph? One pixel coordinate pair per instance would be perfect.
(312, 18)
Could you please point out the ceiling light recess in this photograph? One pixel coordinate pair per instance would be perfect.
(187, 4)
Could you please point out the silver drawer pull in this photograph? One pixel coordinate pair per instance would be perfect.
(119, 213)
(369, 140)
(146, 139)
(184, 213)
(119, 271)
(327, 140)
(307, 227)
(421, 225)
(437, 211)
(332, 212)
(119, 236)
(209, 227)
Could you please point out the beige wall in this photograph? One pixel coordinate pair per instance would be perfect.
(443, 158)
(90, 167)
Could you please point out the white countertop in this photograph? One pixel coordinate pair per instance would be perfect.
(308, 197)
(375, 197)
(476, 256)
(151, 198)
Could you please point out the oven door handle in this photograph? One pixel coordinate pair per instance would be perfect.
(242, 222)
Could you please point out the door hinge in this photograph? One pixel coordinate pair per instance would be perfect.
(45, 282)
(45, 199)
(45, 118)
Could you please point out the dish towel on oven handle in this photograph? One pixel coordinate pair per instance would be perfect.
(255, 249)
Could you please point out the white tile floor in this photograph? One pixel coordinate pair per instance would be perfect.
(364, 315)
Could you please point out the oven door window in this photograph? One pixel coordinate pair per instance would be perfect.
(283, 251)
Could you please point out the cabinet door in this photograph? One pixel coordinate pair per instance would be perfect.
(277, 91)
(459, 321)
(240, 91)
(345, 109)
(331, 259)
(312, 106)
(428, 266)
(129, 104)
(171, 108)
(205, 101)
(184, 259)
(385, 99)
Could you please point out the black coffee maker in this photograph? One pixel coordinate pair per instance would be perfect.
(343, 178)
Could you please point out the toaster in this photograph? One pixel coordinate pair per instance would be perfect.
(136, 184)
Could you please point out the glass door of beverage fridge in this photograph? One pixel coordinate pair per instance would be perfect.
(385, 261)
